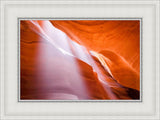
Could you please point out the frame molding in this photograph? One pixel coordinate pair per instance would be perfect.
(141, 60)
(5, 116)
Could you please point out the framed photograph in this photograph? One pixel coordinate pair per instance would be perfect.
(79, 60)
(58, 63)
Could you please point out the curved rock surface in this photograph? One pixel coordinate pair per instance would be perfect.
(120, 36)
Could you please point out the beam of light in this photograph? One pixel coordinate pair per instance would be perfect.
(60, 82)
(102, 79)
(57, 37)
(83, 54)
(62, 42)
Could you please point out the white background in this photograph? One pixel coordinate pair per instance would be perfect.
(11, 108)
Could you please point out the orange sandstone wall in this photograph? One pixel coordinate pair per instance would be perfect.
(117, 40)
(119, 36)
(47, 73)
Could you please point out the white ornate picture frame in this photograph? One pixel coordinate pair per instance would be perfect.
(147, 108)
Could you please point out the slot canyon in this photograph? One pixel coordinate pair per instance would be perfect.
(79, 59)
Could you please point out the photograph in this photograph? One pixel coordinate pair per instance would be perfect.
(79, 59)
